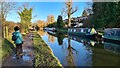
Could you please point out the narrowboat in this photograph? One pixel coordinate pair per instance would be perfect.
(89, 33)
(112, 35)
(50, 29)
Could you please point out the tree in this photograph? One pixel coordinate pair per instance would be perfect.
(84, 14)
(40, 23)
(106, 14)
(88, 22)
(54, 24)
(5, 9)
(88, 12)
(69, 11)
(118, 14)
(60, 23)
(50, 19)
(25, 16)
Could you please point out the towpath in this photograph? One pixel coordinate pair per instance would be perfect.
(26, 59)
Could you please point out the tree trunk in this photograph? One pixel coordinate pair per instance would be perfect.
(6, 32)
(3, 32)
(69, 13)
(69, 45)
(69, 20)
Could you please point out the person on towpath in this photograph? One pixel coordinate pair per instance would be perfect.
(18, 40)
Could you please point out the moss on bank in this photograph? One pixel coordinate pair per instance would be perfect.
(43, 54)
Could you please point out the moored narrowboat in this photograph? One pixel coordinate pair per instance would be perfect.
(50, 29)
(112, 35)
(89, 33)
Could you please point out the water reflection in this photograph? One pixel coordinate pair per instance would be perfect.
(60, 38)
(51, 37)
(76, 51)
(112, 47)
(102, 57)
(70, 56)
(106, 45)
(106, 54)
(42, 32)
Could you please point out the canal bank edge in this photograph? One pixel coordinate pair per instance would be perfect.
(45, 53)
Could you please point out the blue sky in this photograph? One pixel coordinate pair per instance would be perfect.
(43, 9)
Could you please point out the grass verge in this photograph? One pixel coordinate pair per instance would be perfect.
(43, 54)
(7, 48)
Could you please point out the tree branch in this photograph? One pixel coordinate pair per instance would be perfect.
(74, 10)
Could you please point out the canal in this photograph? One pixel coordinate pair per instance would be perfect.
(76, 51)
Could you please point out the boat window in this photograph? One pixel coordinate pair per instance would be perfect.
(74, 30)
(68, 30)
(81, 30)
(118, 32)
(89, 30)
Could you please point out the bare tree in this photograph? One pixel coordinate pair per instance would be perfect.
(24, 5)
(5, 9)
(69, 10)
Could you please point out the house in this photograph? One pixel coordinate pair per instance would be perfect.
(79, 21)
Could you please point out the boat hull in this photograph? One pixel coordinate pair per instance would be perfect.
(111, 41)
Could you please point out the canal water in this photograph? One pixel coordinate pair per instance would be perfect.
(76, 51)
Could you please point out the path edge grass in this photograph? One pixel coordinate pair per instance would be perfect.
(47, 46)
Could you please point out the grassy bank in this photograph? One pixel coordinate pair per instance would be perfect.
(7, 48)
(43, 54)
